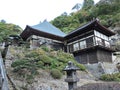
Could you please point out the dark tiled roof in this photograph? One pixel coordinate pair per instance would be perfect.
(48, 28)
(92, 24)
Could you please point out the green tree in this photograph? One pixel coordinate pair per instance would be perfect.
(107, 11)
(7, 29)
(88, 4)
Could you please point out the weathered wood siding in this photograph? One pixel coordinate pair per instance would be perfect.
(104, 56)
(93, 56)
(86, 57)
(90, 42)
(57, 46)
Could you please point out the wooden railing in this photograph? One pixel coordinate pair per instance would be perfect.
(89, 45)
(3, 76)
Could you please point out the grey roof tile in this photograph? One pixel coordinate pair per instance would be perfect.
(48, 28)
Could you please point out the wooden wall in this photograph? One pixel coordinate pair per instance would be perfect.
(90, 42)
(93, 56)
(86, 57)
(104, 56)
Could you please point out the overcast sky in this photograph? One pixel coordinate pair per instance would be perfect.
(31, 12)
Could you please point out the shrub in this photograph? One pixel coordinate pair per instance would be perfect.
(46, 59)
(62, 59)
(40, 64)
(56, 74)
(40, 51)
(110, 77)
(45, 48)
(53, 61)
(18, 63)
(82, 67)
(32, 54)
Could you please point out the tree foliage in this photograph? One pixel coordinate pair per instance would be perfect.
(7, 29)
(88, 4)
(107, 11)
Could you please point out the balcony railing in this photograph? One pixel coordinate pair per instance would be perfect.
(89, 45)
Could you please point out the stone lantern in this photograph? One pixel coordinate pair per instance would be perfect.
(71, 76)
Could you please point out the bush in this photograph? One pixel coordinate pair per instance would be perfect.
(46, 59)
(53, 61)
(62, 59)
(56, 74)
(82, 67)
(40, 51)
(45, 48)
(18, 63)
(110, 77)
(40, 64)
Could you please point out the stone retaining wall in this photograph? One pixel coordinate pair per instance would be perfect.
(100, 86)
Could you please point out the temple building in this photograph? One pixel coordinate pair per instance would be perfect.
(89, 43)
(44, 34)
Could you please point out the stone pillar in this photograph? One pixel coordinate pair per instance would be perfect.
(71, 76)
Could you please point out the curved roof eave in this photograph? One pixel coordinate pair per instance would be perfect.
(31, 31)
(81, 28)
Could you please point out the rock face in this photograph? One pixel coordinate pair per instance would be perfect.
(117, 32)
(44, 81)
(101, 68)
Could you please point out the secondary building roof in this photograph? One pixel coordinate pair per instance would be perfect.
(49, 28)
(44, 29)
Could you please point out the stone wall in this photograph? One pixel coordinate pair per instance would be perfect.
(100, 86)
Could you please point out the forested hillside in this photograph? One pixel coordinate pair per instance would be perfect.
(107, 11)
(7, 29)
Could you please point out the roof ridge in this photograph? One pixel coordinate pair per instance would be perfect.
(45, 26)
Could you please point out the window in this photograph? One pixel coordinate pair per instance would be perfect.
(106, 37)
(107, 44)
(98, 41)
(82, 44)
(71, 48)
(76, 46)
(98, 34)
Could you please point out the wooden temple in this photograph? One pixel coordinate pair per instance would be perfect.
(44, 34)
(89, 43)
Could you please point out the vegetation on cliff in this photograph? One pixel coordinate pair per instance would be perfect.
(47, 59)
(7, 29)
(111, 77)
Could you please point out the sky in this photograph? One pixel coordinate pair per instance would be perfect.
(32, 12)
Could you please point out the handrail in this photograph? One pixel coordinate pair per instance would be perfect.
(3, 76)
